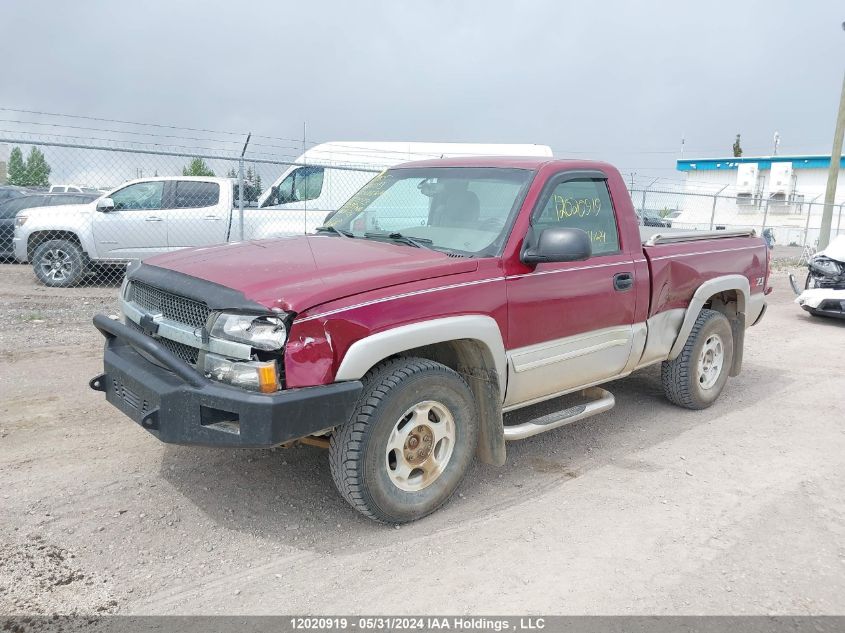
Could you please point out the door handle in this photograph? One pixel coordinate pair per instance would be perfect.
(212, 217)
(623, 281)
(154, 218)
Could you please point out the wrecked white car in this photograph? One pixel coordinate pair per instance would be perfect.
(824, 288)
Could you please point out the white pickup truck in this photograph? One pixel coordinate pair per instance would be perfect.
(147, 217)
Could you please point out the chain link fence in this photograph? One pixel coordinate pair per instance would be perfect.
(107, 205)
(94, 208)
(790, 222)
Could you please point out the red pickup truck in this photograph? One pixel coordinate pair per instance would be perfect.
(443, 294)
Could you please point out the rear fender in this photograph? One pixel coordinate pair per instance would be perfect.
(707, 291)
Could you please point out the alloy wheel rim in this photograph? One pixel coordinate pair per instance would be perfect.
(420, 446)
(57, 264)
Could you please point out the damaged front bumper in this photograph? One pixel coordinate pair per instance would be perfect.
(823, 302)
(179, 405)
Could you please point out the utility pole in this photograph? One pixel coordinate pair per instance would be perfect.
(833, 171)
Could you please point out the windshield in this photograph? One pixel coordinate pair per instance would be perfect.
(459, 209)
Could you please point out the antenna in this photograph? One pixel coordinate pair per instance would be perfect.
(777, 143)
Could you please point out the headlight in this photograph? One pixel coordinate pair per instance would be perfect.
(264, 332)
(20, 220)
(825, 266)
(260, 376)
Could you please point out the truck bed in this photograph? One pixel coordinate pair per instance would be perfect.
(679, 261)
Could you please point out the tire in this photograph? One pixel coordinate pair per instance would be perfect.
(59, 263)
(392, 468)
(697, 376)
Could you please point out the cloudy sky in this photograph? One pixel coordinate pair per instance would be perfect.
(621, 81)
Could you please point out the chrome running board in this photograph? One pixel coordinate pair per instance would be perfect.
(600, 400)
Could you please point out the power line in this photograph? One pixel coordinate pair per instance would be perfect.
(102, 119)
(111, 140)
(131, 132)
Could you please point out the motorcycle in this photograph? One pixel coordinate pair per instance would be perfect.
(824, 288)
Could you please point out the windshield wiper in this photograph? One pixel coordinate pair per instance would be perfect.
(419, 242)
(334, 229)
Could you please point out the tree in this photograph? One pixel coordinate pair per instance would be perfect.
(17, 168)
(252, 181)
(37, 169)
(256, 183)
(197, 167)
(737, 147)
(32, 172)
(232, 173)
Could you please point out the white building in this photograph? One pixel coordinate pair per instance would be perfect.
(784, 193)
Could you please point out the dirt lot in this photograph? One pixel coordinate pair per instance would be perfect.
(647, 509)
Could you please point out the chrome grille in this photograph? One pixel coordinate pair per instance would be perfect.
(171, 306)
(184, 352)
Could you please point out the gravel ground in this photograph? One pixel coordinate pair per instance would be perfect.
(647, 509)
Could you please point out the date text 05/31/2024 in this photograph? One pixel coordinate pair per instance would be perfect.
(408, 623)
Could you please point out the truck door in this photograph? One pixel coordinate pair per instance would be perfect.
(571, 324)
(198, 214)
(136, 227)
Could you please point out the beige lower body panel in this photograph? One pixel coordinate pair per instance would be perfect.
(555, 368)
(538, 372)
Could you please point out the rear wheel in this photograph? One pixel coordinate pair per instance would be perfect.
(697, 376)
(409, 442)
(59, 263)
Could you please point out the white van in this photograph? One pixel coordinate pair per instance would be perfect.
(327, 175)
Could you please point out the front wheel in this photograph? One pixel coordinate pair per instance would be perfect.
(408, 443)
(59, 263)
(697, 376)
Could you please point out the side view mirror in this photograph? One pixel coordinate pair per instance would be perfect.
(104, 205)
(556, 244)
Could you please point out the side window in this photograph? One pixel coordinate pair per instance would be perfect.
(301, 185)
(583, 204)
(141, 195)
(192, 194)
(308, 183)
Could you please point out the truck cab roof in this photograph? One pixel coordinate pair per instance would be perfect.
(533, 163)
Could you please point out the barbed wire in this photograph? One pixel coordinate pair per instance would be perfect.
(312, 142)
